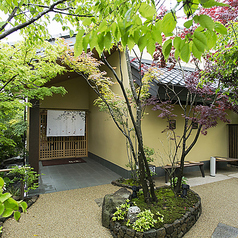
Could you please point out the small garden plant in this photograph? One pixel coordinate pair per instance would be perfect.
(121, 212)
(9, 206)
(134, 180)
(173, 181)
(146, 221)
(20, 176)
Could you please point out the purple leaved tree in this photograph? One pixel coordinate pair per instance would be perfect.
(202, 107)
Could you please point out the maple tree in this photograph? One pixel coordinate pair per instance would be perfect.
(24, 69)
(124, 29)
(201, 108)
(223, 14)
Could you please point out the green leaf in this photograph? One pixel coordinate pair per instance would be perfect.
(156, 32)
(196, 52)
(176, 54)
(8, 212)
(211, 39)
(220, 28)
(117, 33)
(142, 43)
(185, 53)
(1, 182)
(168, 23)
(131, 43)
(17, 215)
(103, 26)
(71, 33)
(23, 205)
(166, 48)
(101, 41)
(2, 207)
(150, 44)
(9, 2)
(4, 197)
(108, 40)
(87, 21)
(85, 42)
(195, 18)
(206, 22)
(212, 3)
(78, 46)
(177, 42)
(93, 40)
(11, 203)
(182, 43)
(188, 24)
(147, 11)
(201, 38)
(113, 29)
(124, 39)
(137, 21)
(200, 47)
(136, 36)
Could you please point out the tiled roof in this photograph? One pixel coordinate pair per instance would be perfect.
(167, 76)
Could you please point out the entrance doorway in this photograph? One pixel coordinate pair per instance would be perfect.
(61, 146)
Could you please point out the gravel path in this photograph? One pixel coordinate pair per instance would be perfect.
(74, 213)
(219, 204)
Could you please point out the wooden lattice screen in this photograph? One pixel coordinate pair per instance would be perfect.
(62, 146)
(233, 140)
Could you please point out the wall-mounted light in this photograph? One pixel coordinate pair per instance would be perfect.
(172, 124)
(194, 125)
(185, 188)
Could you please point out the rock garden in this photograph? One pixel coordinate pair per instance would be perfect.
(127, 215)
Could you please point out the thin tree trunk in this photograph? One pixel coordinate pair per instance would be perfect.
(149, 195)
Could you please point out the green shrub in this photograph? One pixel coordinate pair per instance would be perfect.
(8, 205)
(26, 175)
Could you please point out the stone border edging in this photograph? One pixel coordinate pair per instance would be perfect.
(175, 230)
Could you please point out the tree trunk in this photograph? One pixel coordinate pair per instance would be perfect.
(149, 194)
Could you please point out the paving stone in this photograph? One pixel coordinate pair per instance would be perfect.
(225, 231)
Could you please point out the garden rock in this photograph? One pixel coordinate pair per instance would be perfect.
(110, 202)
(132, 213)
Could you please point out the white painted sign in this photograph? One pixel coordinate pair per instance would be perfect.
(65, 123)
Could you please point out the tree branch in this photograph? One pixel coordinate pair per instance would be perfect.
(32, 20)
(9, 18)
(194, 141)
(11, 79)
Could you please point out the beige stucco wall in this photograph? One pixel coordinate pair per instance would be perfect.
(214, 143)
(76, 98)
(105, 139)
